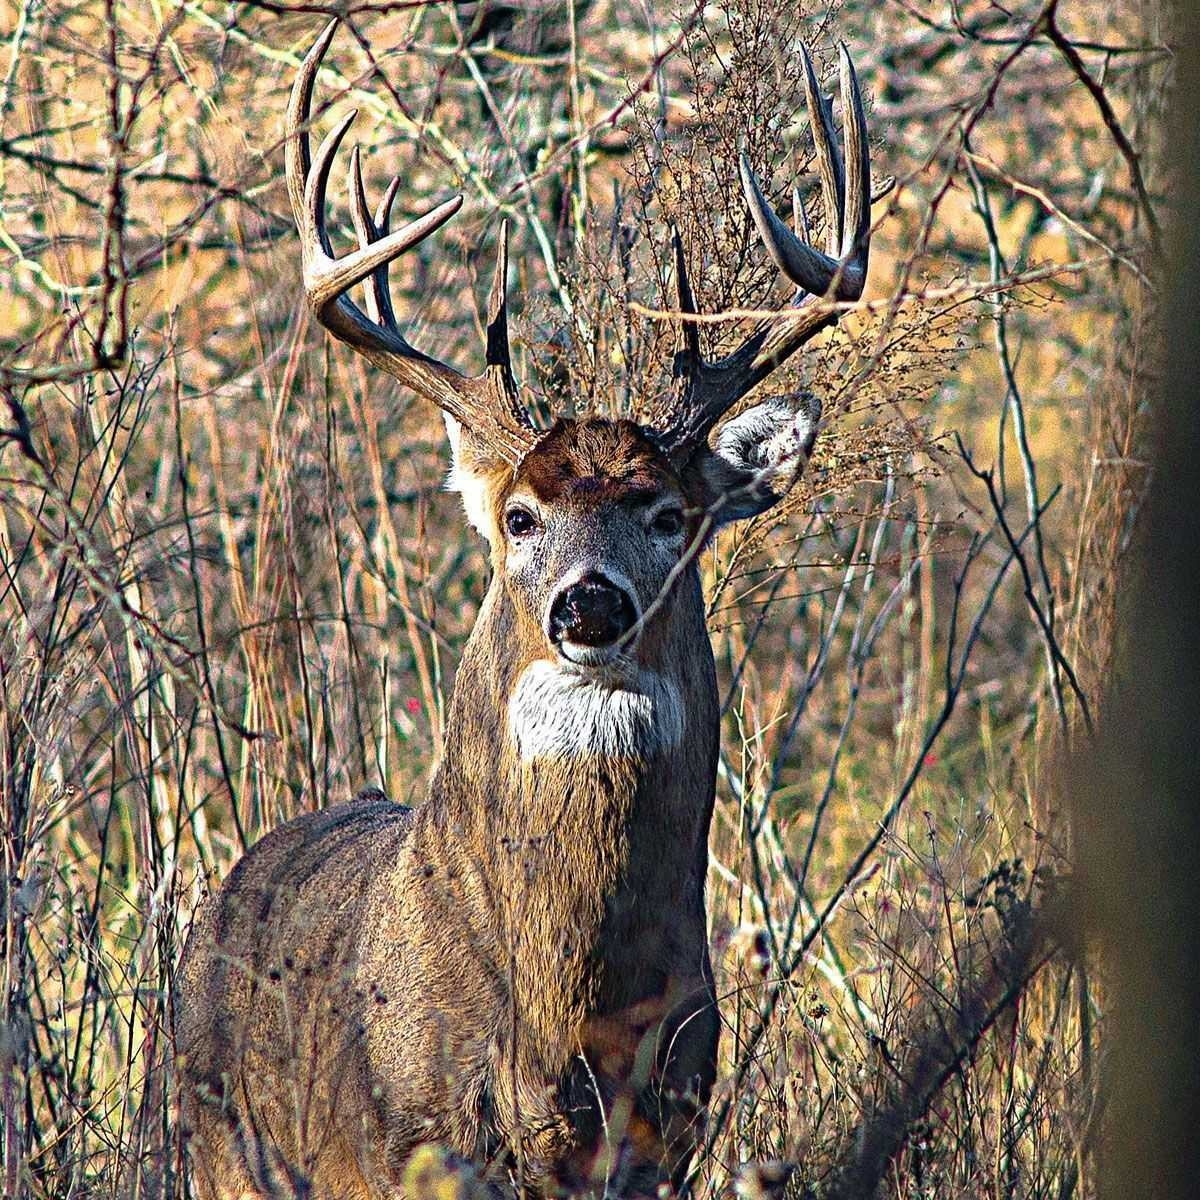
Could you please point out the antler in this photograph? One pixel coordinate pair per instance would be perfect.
(707, 390)
(487, 404)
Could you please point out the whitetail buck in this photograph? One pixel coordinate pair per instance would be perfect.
(517, 969)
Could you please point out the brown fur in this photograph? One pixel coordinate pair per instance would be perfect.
(594, 460)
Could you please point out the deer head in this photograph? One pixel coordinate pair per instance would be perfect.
(591, 523)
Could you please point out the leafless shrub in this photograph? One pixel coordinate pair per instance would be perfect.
(226, 595)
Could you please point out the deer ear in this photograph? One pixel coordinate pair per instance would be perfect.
(758, 456)
(477, 475)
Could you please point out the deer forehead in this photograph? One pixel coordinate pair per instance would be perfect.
(596, 461)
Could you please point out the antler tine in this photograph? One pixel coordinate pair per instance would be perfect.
(378, 297)
(711, 389)
(805, 266)
(383, 213)
(487, 405)
(829, 158)
(382, 295)
(857, 231)
(689, 334)
(317, 182)
(296, 155)
(327, 278)
(799, 216)
(497, 353)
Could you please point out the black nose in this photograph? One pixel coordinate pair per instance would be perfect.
(592, 612)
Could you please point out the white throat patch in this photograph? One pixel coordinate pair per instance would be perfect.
(556, 712)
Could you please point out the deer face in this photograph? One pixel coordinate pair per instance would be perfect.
(594, 528)
(586, 534)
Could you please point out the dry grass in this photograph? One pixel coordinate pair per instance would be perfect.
(232, 589)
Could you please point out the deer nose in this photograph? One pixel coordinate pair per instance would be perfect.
(593, 611)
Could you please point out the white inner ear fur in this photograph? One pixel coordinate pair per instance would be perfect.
(555, 712)
(772, 440)
(471, 486)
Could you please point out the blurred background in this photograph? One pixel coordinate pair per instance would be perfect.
(233, 588)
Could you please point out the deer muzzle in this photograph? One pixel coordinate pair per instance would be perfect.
(592, 613)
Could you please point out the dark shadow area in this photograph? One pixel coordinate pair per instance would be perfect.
(1136, 792)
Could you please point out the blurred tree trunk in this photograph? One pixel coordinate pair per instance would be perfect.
(1136, 791)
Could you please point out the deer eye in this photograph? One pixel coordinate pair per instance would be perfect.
(519, 522)
(668, 523)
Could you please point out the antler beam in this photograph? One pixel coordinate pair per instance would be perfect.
(487, 404)
(707, 390)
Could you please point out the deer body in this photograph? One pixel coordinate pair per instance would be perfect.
(556, 871)
(518, 968)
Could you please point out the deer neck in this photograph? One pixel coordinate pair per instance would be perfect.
(586, 801)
